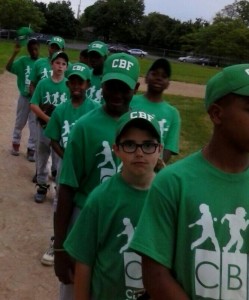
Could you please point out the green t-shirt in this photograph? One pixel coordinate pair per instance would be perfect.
(101, 235)
(95, 90)
(42, 69)
(63, 119)
(88, 159)
(50, 92)
(22, 68)
(195, 222)
(167, 116)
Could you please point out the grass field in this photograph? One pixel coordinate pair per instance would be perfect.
(183, 72)
(196, 126)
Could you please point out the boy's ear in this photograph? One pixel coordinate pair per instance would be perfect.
(215, 112)
(115, 149)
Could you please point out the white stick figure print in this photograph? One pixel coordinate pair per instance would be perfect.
(237, 223)
(206, 221)
(129, 231)
(107, 152)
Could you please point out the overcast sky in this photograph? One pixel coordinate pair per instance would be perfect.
(183, 10)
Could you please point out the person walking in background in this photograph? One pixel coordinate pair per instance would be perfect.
(22, 68)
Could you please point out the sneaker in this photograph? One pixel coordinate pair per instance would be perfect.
(31, 155)
(15, 149)
(48, 257)
(41, 193)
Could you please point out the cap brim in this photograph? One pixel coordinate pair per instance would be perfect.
(118, 76)
(244, 91)
(77, 74)
(58, 44)
(162, 63)
(96, 50)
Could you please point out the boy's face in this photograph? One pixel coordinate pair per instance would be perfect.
(52, 49)
(117, 96)
(59, 66)
(77, 86)
(138, 163)
(96, 61)
(34, 51)
(157, 80)
(231, 117)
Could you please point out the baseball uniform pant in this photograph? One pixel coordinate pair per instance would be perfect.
(24, 115)
(43, 151)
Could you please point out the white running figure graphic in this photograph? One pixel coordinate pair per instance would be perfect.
(237, 223)
(129, 231)
(107, 152)
(206, 221)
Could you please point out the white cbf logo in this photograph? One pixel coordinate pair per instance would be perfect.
(221, 275)
(122, 64)
(141, 114)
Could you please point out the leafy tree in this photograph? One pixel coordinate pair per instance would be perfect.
(18, 13)
(60, 19)
(115, 20)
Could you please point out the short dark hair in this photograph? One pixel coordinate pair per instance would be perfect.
(32, 42)
(139, 124)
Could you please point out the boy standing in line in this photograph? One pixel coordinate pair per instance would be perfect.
(49, 93)
(105, 268)
(193, 230)
(22, 67)
(157, 80)
(97, 54)
(88, 159)
(63, 119)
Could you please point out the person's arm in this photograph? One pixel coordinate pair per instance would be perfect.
(57, 148)
(32, 88)
(63, 264)
(13, 56)
(82, 281)
(39, 113)
(159, 282)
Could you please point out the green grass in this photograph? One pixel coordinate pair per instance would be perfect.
(184, 72)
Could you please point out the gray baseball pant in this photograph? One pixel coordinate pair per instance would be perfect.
(24, 115)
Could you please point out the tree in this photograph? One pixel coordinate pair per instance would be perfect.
(18, 13)
(60, 19)
(115, 20)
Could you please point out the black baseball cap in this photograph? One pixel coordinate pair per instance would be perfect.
(161, 63)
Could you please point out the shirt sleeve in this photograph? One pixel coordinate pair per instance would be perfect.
(53, 128)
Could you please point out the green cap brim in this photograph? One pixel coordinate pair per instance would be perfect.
(122, 77)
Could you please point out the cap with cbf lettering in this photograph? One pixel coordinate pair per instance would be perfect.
(99, 47)
(233, 79)
(80, 70)
(122, 66)
(138, 116)
(58, 41)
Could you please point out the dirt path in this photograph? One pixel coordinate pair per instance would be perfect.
(25, 226)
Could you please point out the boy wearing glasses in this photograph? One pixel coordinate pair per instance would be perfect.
(99, 240)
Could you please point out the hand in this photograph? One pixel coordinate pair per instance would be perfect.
(17, 48)
(63, 267)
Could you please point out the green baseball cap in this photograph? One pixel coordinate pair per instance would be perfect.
(60, 54)
(23, 34)
(123, 67)
(99, 47)
(138, 116)
(80, 70)
(233, 79)
(58, 41)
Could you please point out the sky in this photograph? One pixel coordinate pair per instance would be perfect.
(183, 10)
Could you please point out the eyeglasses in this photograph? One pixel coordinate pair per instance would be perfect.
(131, 147)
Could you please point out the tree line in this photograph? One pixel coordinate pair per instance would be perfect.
(125, 21)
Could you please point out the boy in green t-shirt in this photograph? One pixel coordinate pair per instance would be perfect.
(152, 101)
(63, 119)
(105, 268)
(22, 68)
(97, 54)
(49, 93)
(193, 230)
(88, 159)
